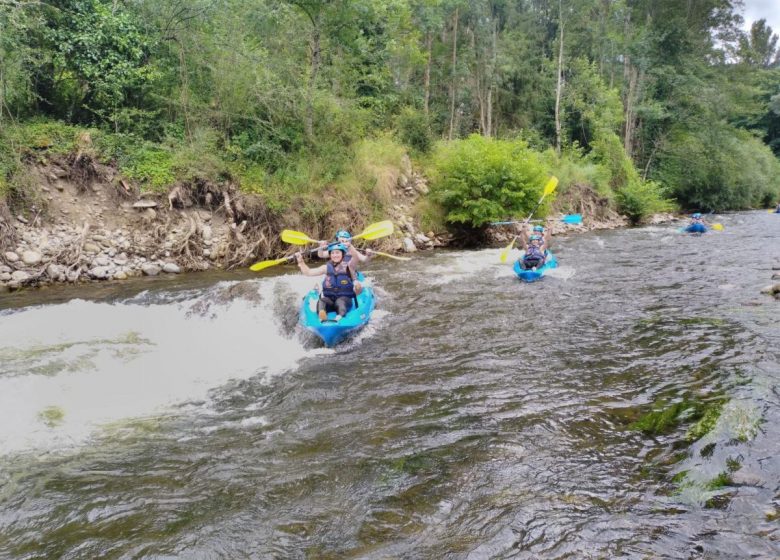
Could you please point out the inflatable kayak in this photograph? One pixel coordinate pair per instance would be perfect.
(696, 228)
(330, 331)
(533, 275)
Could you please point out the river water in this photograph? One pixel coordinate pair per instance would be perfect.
(475, 417)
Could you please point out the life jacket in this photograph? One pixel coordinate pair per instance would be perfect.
(338, 281)
(534, 254)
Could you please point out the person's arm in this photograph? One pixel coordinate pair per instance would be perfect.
(361, 258)
(306, 271)
(524, 235)
(352, 267)
(322, 250)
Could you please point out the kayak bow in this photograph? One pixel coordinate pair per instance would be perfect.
(330, 331)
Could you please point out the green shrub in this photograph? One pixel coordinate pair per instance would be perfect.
(573, 168)
(414, 130)
(479, 180)
(607, 150)
(718, 168)
(152, 166)
(641, 199)
(40, 136)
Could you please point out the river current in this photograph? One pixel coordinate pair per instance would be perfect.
(476, 417)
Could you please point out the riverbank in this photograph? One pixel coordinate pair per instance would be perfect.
(85, 223)
(98, 227)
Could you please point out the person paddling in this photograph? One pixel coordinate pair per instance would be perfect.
(340, 286)
(697, 224)
(345, 238)
(777, 208)
(534, 256)
(540, 231)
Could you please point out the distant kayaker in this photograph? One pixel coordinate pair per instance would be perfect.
(340, 285)
(534, 255)
(777, 208)
(540, 231)
(345, 238)
(697, 224)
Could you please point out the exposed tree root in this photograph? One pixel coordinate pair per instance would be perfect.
(8, 238)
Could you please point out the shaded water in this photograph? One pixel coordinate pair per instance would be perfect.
(476, 417)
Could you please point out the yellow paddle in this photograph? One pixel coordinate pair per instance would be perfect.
(266, 264)
(549, 188)
(373, 231)
(717, 227)
(296, 237)
(389, 256)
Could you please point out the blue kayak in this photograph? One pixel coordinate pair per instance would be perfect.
(533, 275)
(330, 331)
(696, 228)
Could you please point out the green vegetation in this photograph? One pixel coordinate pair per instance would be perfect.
(706, 423)
(52, 416)
(635, 103)
(479, 180)
(664, 420)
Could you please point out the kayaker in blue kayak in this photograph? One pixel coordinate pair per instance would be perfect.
(345, 238)
(777, 208)
(534, 256)
(697, 224)
(545, 235)
(340, 286)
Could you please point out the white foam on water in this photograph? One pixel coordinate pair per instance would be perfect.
(459, 265)
(68, 369)
(561, 272)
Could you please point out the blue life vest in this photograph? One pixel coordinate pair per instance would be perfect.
(338, 281)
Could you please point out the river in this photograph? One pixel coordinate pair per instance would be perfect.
(474, 418)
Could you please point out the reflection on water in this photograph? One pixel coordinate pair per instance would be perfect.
(621, 409)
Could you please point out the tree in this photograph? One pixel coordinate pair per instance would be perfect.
(759, 47)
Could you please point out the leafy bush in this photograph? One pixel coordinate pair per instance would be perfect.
(479, 180)
(635, 197)
(719, 168)
(641, 199)
(573, 168)
(414, 130)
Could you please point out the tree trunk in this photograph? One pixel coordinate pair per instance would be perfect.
(185, 92)
(453, 84)
(492, 80)
(628, 134)
(559, 87)
(427, 85)
(313, 71)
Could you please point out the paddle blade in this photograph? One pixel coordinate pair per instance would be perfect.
(717, 227)
(375, 231)
(572, 219)
(507, 249)
(267, 264)
(296, 237)
(394, 257)
(550, 185)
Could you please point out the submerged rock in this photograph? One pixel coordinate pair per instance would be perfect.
(150, 269)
